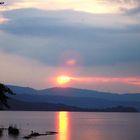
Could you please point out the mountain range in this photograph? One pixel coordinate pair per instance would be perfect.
(58, 98)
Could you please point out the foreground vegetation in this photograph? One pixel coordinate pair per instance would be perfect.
(3, 97)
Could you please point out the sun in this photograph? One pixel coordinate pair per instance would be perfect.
(63, 79)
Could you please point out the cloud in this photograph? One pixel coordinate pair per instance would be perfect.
(133, 11)
(126, 2)
(52, 34)
(90, 6)
(97, 80)
(80, 5)
(22, 71)
(39, 20)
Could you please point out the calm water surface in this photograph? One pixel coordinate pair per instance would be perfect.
(74, 126)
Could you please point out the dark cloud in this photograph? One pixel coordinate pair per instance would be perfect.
(52, 36)
(133, 11)
(34, 22)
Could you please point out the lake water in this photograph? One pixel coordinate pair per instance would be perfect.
(73, 125)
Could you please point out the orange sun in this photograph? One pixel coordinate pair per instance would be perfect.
(63, 79)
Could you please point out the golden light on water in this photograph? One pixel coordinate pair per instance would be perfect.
(63, 126)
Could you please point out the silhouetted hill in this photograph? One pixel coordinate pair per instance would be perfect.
(16, 105)
(76, 97)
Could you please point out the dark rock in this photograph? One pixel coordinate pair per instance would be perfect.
(1, 131)
(35, 134)
(13, 130)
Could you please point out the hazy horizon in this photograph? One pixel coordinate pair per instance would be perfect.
(70, 87)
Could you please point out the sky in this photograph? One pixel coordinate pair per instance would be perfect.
(88, 44)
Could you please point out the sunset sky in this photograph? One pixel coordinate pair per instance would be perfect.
(92, 44)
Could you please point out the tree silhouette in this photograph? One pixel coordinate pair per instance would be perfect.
(3, 98)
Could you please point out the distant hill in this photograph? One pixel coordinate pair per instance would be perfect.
(73, 97)
(16, 105)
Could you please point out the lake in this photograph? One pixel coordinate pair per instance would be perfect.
(73, 125)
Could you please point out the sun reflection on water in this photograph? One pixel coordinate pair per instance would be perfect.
(63, 126)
